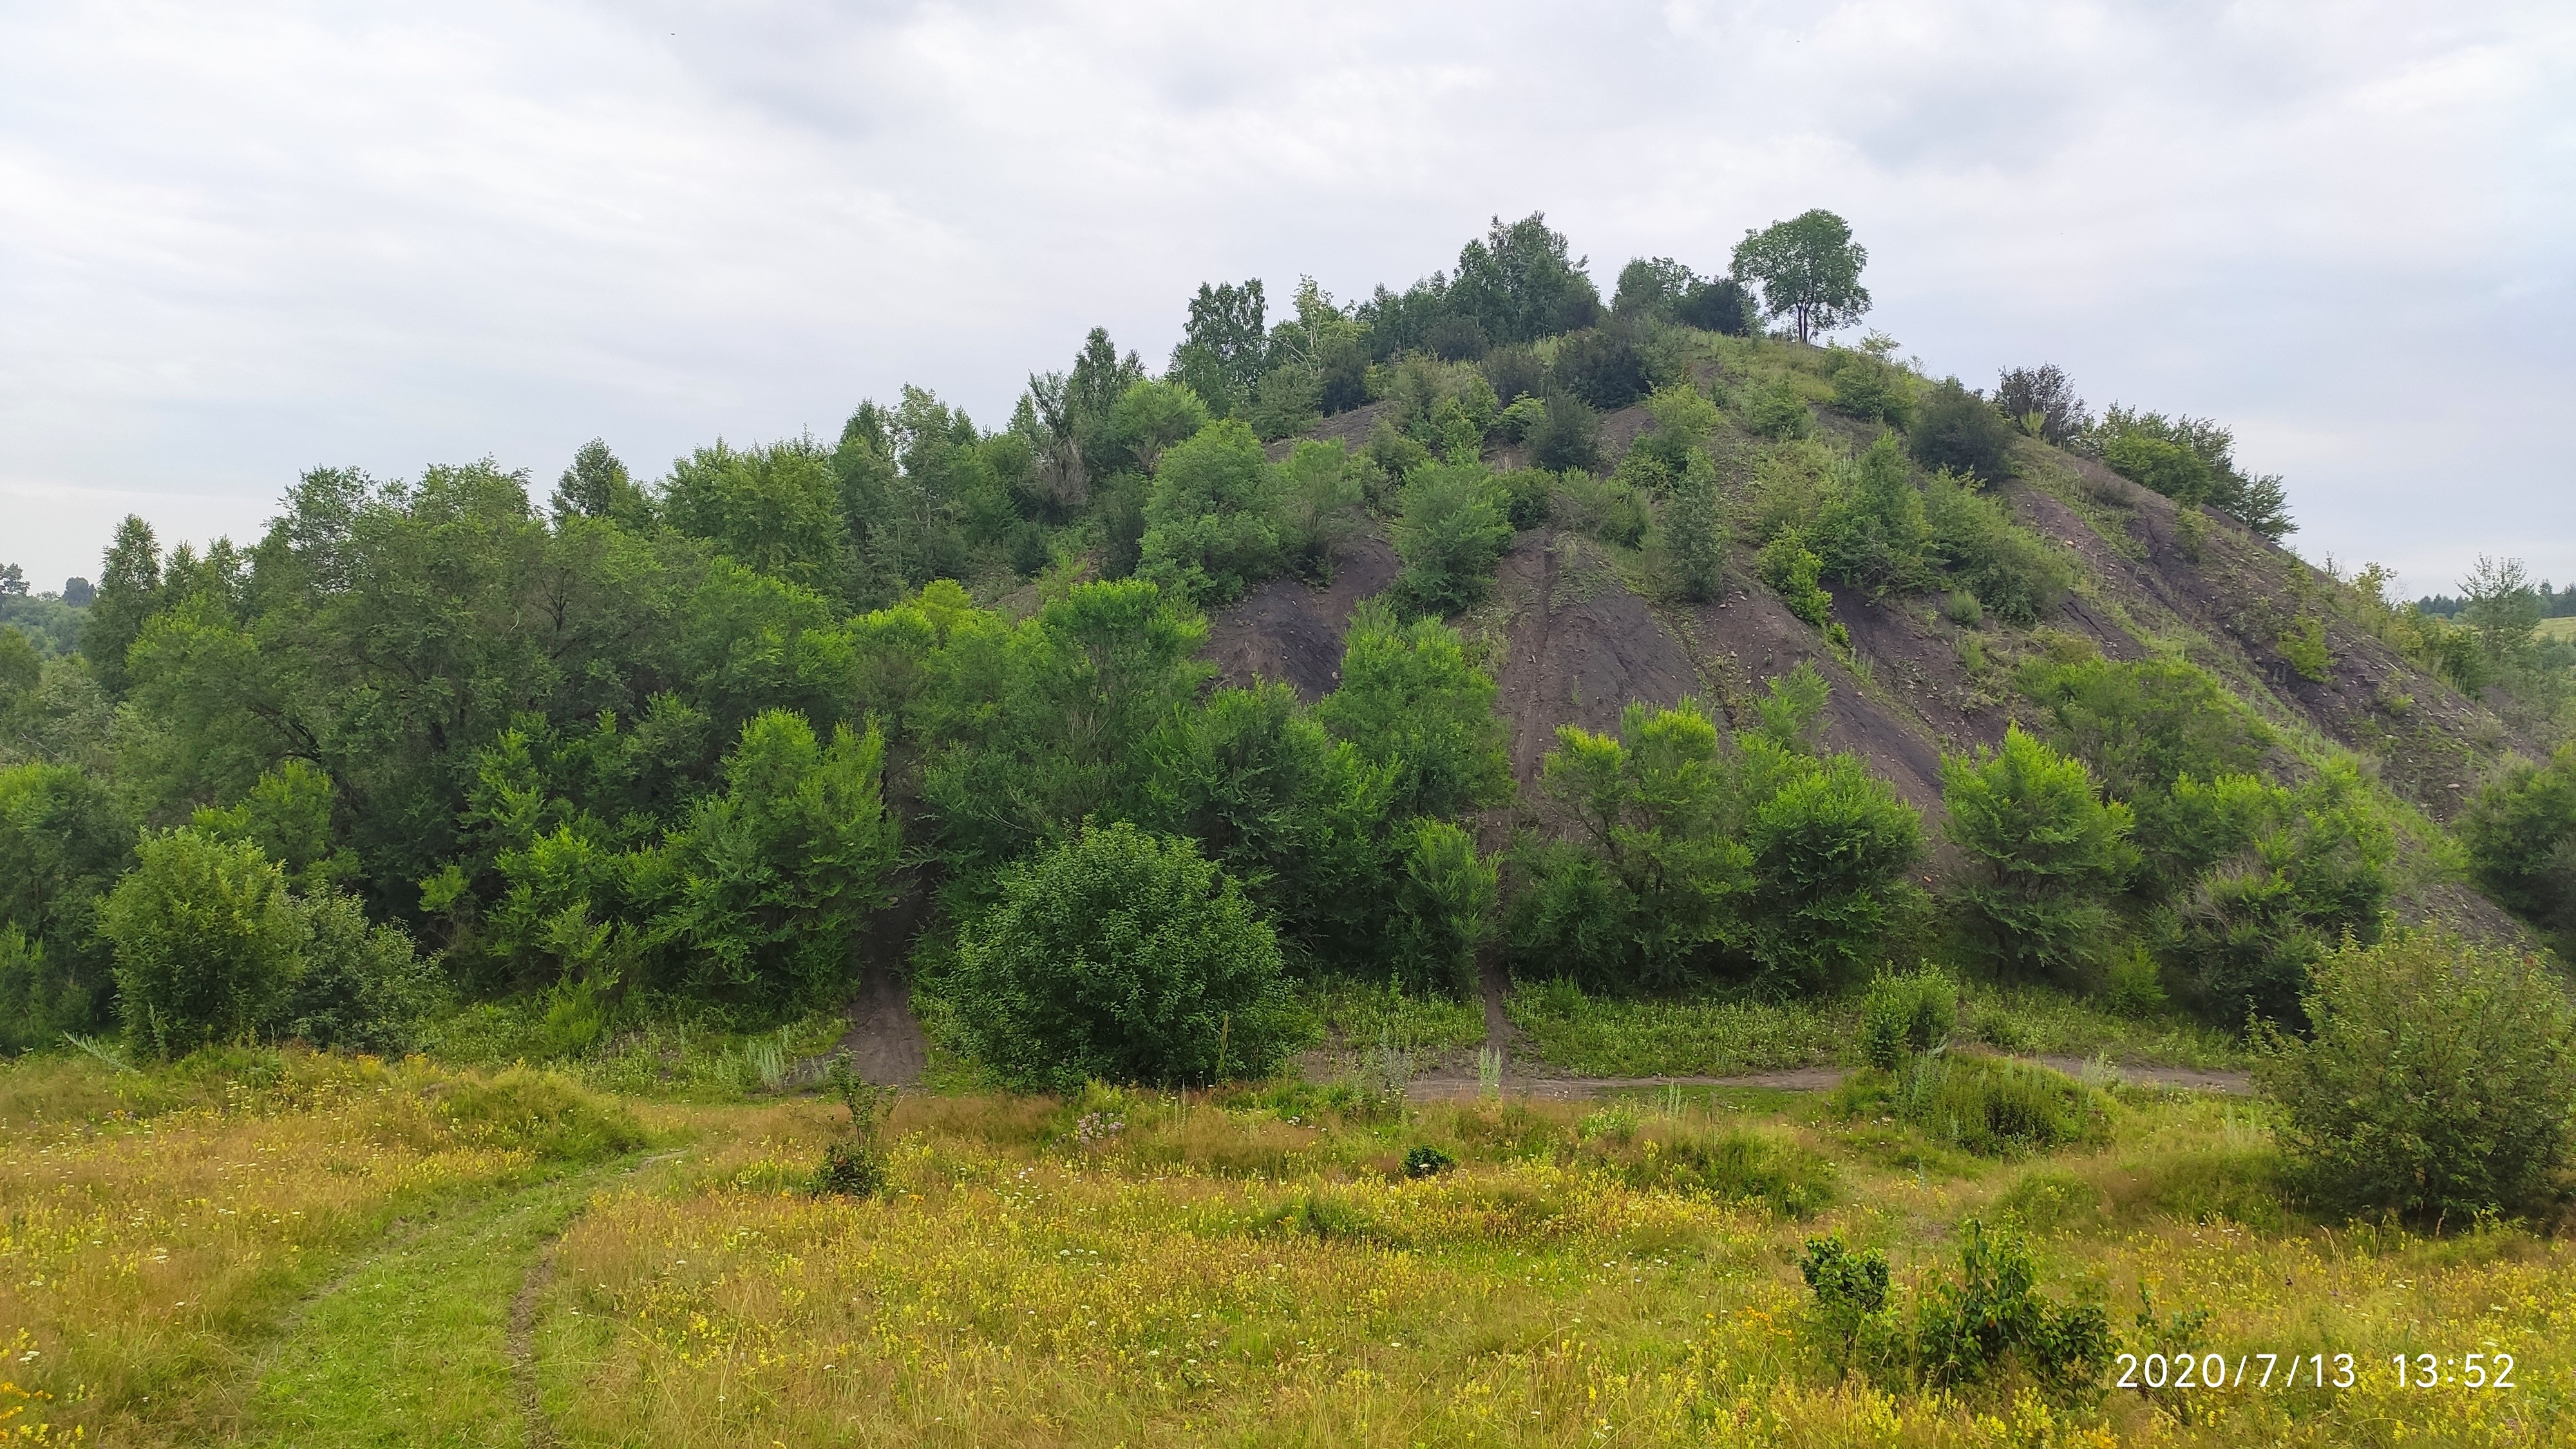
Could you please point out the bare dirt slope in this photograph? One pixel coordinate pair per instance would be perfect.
(1288, 629)
(1575, 632)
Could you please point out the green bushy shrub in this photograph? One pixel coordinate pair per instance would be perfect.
(1451, 532)
(1872, 391)
(1974, 541)
(207, 942)
(1211, 521)
(2438, 1080)
(1994, 1315)
(1125, 957)
(1907, 1015)
(1991, 1319)
(1603, 367)
(1791, 569)
(1694, 528)
(1991, 1106)
(546, 1114)
(1961, 431)
(2520, 830)
(1774, 409)
(1609, 509)
(1568, 434)
(2047, 854)
(1831, 852)
(1425, 1160)
(360, 987)
(1523, 494)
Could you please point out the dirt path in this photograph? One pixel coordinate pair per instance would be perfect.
(421, 1344)
(884, 1043)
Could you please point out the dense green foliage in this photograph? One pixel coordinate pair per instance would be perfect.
(1126, 957)
(1907, 1014)
(1808, 269)
(2439, 1080)
(2520, 830)
(2048, 854)
(1683, 859)
(1991, 1319)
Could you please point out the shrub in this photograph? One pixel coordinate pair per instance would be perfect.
(1907, 1015)
(1609, 509)
(63, 842)
(1426, 1160)
(1963, 1332)
(1450, 533)
(2048, 853)
(543, 1113)
(1718, 305)
(362, 987)
(1603, 367)
(2520, 830)
(2303, 645)
(1567, 436)
(856, 1165)
(1523, 494)
(1515, 373)
(1976, 543)
(1416, 705)
(2169, 468)
(2438, 1082)
(1457, 339)
(1963, 432)
(1122, 956)
(1872, 391)
(1695, 533)
(1791, 569)
(1830, 850)
(1774, 409)
(207, 941)
(1319, 492)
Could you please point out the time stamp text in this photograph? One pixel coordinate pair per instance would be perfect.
(2315, 1370)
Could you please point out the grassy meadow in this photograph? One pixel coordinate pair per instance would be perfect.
(290, 1248)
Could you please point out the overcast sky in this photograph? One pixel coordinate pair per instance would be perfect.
(239, 241)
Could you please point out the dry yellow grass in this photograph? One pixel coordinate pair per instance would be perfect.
(1174, 1274)
(154, 1229)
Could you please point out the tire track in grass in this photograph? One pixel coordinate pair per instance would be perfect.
(419, 1345)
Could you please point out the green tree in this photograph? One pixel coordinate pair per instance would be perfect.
(775, 877)
(1446, 902)
(1809, 269)
(1121, 956)
(776, 509)
(1450, 532)
(598, 486)
(1695, 530)
(63, 842)
(129, 592)
(2048, 854)
(1520, 284)
(1226, 341)
(1410, 699)
(1646, 892)
(207, 941)
(1211, 522)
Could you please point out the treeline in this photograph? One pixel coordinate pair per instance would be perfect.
(688, 742)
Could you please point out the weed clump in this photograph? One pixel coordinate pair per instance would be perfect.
(545, 1114)
(1906, 1015)
(1985, 1105)
(855, 1166)
(1991, 1319)
(1426, 1160)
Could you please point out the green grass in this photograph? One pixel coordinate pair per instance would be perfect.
(413, 1347)
(1358, 1016)
(2562, 627)
(1718, 1036)
(679, 1056)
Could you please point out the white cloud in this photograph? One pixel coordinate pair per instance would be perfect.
(240, 241)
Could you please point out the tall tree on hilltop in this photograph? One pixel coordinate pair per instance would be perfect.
(1808, 268)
